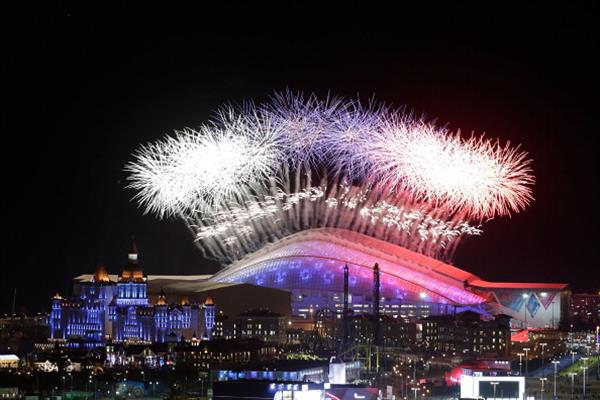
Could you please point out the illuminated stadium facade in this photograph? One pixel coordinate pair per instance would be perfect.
(286, 193)
(310, 264)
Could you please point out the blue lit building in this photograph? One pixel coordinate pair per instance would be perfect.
(85, 316)
(122, 311)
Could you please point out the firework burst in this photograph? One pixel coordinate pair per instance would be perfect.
(256, 174)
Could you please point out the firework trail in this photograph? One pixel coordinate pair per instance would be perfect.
(259, 173)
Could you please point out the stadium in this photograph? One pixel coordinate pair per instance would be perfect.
(288, 193)
(310, 264)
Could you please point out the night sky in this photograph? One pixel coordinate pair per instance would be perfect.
(85, 85)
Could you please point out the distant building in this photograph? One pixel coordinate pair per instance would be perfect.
(394, 331)
(261, 324)
(223, 329)
(585, 308)
(122, 311)
(19, 333)
(466, 333)
(9, 361)
(549, 341)
(234, 352)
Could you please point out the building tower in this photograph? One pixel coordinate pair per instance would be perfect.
(56, 329)
(376, 295)
(132, 286)
(345, 315)
(132, 296)
(161, 318)
(209, 317)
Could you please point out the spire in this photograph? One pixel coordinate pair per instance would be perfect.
(132, 270)
(346, 298)
(376, 295)
(161, 301)
(132, 255)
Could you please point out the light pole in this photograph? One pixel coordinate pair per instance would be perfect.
(543, 345)
(572, 375)
(526, 350)
(63, 379)
(494, 384)
(415, 389)
(415, 374)
(520, 363)
(584, 371)
(542, 391)
(402, 393)
(573, 357)
(555, 362)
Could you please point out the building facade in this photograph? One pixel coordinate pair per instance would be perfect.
(466, 333)
(394, 332)
(122, 311)
(585, 309)
(265, 325)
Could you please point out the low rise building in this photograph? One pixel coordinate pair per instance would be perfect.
(585, 310)
(9, 361)
(261, 324)
(466, 333)
(394, 332)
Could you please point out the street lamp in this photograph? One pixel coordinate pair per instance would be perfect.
(542, 391)
(555, 362)
(526, 350)
(494, 384)
(585, 367)
(573, 357)
(572, 375)
(543, 345)
(584, 370)
(415, 389)
(520, 363)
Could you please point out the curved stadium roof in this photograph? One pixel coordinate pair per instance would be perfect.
(314, 260)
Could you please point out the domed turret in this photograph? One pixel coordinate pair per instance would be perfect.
(162, 300)
(101, 275)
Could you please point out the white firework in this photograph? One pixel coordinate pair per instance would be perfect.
(476, 176)
(246, 178)
(194, 170)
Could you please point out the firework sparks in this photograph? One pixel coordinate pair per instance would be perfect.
(195, 170)
(245, 179)
(479, 177)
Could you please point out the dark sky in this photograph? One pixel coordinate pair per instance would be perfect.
(85, 85)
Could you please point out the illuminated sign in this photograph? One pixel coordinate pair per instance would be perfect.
(497, 387)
